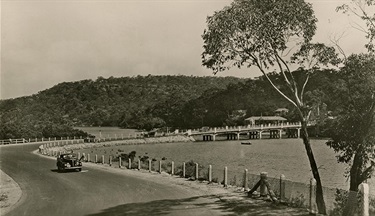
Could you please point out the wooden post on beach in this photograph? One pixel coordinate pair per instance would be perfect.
(312, 204)
(210, 173)
(172, 168)
(225, 176)
(245, 181)
(282, 187)
(363, 199)
(196, 171)
(183, 170)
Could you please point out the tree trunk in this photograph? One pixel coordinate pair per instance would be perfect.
(355, 180)
(355, 173)
(314, 168)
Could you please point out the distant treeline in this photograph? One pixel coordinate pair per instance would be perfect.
(147, 102)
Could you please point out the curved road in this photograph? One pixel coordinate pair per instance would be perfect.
(95, 192)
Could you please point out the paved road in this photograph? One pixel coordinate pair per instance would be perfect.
(95, 192)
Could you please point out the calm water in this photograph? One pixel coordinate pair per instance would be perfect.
(275, 156)
(107, 131)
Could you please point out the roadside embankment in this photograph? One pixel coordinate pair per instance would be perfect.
(10, 193)
(150, 140)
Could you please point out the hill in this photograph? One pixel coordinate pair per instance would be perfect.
(126, 101)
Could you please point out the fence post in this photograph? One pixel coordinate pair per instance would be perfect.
(149, 165)
(263, 187)
(312, 204)
(102, 159)
(209, 173)
(79, 155)
(245, 181)
(88, 157)
(225, 176)
(130, 163)
(110, 160)
(139, 164)
(172, 168)
(119, 162)
(160, 166)
(363, 199)
(282, 187)
(183, 170)
(196, 171)
(96, 158)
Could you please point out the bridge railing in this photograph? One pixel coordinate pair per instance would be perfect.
(244, 127)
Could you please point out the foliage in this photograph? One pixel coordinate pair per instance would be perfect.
(131, 102)
(358, 8)
(126, 157)
(270, 35)
(341, 198)
(297, 201)
(352, 132)
(190, 169)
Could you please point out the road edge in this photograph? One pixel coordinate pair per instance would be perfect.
(11, 189)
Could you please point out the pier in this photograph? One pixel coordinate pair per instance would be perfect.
(275, 131)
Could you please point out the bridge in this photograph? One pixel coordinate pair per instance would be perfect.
(291, 130)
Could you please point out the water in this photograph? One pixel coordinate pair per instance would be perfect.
(108, 131)
(275, 156)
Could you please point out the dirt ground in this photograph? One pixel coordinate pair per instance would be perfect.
(10, 193)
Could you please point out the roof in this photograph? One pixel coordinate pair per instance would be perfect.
(281, 109)
(267, 118)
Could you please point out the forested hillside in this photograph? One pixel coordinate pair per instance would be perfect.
(151, 102)
(124, 102)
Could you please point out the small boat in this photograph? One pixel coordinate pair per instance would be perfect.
(246, 143)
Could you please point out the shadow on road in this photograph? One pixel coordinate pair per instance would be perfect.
(66, 171)
(203, 205)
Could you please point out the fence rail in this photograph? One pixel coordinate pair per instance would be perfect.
(297, 194)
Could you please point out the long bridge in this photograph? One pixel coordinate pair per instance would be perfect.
(292, 130)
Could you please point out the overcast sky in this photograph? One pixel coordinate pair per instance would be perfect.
(47, 42)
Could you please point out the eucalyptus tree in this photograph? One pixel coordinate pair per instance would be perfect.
(270, 35)
(352, 132)
(365, 10)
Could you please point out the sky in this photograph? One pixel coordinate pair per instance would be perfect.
(46, 42)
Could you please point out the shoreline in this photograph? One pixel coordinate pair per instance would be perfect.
(149, 140)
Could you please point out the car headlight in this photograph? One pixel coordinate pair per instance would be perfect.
(67, 164)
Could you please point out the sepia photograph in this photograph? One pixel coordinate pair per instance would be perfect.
(187, 107)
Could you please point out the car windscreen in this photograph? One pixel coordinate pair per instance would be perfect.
(70, 156)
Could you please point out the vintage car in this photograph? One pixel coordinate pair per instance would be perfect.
(69, 161)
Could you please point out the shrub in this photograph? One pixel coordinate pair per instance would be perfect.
(297, 202)
(3, 197)
(190, 170)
